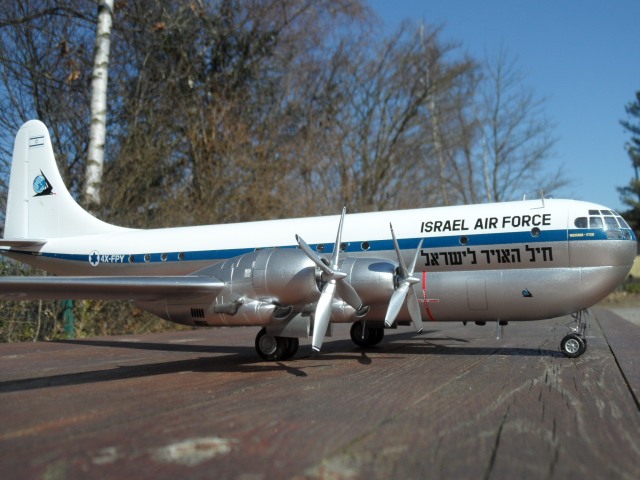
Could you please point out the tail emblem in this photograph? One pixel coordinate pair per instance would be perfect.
(42, 186)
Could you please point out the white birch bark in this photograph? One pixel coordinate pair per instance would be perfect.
(97, 132)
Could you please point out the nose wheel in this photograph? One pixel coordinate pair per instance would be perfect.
(575, 343)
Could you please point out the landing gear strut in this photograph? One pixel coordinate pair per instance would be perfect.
(366, 336)
(575, 343)
(273, 349)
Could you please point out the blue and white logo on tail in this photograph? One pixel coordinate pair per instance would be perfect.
(42, 186)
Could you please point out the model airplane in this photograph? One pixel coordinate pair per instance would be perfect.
(503, 262)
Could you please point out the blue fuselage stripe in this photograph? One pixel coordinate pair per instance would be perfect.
(545, 236)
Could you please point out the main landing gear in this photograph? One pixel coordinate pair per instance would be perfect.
(575, 343)
(273, 349)
(276, 349)
(364, 335)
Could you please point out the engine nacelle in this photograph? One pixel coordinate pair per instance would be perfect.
(373, 278)
(287, 276)
(282, 276)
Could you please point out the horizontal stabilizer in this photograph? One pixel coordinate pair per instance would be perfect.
(21, 242)
(106, 288)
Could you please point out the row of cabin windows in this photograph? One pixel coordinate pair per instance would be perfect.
(147, 257)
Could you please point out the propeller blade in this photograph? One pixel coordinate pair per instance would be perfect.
(347, 293)
(336, 247)
(402, 267)
(314, 256)
(415, 258)
(322, 315)
(395, 304)
(414, 309)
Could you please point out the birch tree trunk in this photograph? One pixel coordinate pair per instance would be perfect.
(97, 133)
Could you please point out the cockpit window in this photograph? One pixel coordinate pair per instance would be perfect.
(621, 221)
(602, 219)
(610, 222)
(595, 222)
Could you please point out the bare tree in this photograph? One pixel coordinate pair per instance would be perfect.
(99, 81)
(515, 137)
(213, 105)
(385, 145)
(44, 67)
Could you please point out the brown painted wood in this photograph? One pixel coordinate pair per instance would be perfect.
(452, 402)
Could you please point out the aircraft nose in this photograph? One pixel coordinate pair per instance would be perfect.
(610, 265)
(627, 252)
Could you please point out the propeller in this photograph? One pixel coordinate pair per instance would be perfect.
(334, 281)
(406, 282)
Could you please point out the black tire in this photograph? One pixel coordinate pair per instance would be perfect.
(270, 348)
(584, 345)
(291, 349)
(378, 334)
(371, 337)
(573, 345)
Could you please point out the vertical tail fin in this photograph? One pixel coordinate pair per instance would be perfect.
(39, 206)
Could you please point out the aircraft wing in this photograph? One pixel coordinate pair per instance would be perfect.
(106, 288)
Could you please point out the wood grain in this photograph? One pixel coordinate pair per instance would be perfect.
(451, 402)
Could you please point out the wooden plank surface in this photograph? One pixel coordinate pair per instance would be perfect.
(451, 402)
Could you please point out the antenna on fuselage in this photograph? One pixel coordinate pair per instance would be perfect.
(542, 197)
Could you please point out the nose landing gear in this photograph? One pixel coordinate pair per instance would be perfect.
(575, 343)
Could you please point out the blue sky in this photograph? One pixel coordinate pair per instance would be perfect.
(583, 56)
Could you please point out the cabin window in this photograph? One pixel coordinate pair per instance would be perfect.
(320, 248)
(147, 257)
(181, 256)
(464, 240)
(365, 246)
(581, 222)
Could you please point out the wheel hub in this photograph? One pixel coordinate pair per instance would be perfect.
(268, 344)
(572, 346)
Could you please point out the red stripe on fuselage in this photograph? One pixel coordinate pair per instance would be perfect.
(424, 297)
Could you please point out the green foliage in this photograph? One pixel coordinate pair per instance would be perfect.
(632, 287)
(43, 320)
(630, 194)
